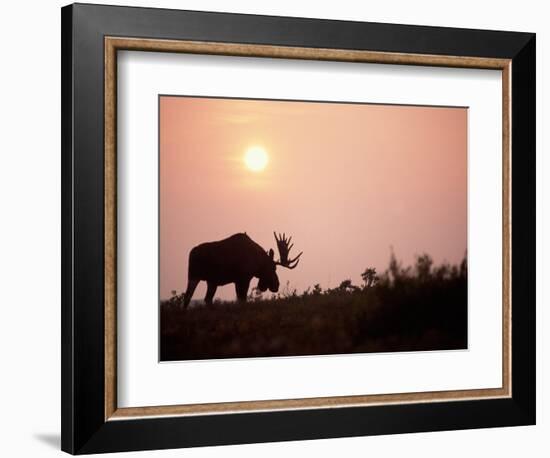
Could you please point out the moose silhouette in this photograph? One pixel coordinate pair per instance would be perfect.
(237, 259)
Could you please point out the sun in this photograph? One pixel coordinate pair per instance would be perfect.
(256, 158)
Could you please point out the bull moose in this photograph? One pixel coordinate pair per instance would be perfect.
(237, 259)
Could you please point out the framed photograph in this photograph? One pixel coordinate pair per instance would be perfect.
(283, 228)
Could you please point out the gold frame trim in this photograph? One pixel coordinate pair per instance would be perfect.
(112, 45)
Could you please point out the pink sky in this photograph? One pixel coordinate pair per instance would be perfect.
(347, 181)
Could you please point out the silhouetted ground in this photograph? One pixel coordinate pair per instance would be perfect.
(405, 309)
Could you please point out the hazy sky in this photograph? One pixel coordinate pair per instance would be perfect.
(347, 181)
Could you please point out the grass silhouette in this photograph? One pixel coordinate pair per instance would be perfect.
(414, 308)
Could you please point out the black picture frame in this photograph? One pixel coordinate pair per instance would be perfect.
(84, 427)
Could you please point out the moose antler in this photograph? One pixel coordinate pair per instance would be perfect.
(284, 247)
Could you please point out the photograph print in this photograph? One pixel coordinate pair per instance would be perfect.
(296, 228)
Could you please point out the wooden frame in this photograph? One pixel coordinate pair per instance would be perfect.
(91, 420)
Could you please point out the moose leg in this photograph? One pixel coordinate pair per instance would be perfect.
(191, 285)
(210, 293)
(241, 289)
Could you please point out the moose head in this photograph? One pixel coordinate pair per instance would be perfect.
(269, 279)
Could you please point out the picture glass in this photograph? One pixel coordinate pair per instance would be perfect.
(359, 164)
(295, 228)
